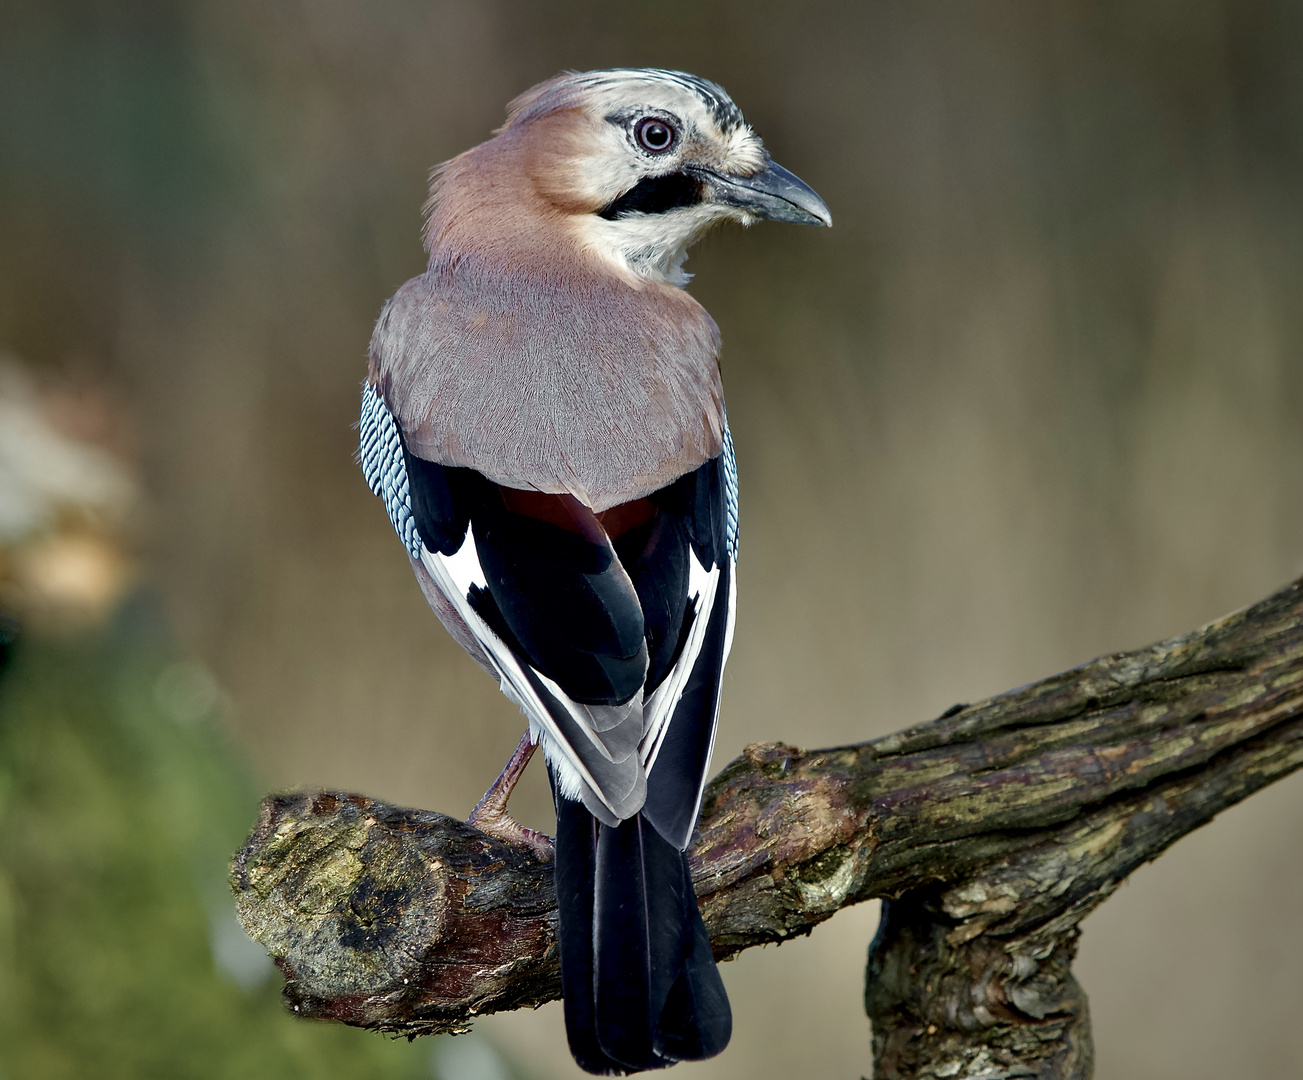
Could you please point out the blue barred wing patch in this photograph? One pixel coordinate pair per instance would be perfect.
(730, 494)
(381, 455)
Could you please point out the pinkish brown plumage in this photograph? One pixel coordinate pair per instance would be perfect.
(580, 383)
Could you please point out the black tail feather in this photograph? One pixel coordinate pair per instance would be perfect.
(576, 859)
(642, 937)
(697, 1021)
(639, 980)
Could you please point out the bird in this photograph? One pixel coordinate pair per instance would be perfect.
(543, 416)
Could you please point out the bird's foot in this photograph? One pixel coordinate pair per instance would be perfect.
(501, 825)
(490, 813)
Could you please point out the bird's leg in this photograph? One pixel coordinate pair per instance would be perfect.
(490, 813)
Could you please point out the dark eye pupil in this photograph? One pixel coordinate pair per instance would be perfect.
(655, 135)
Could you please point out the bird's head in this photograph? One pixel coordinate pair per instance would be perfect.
(632, 165)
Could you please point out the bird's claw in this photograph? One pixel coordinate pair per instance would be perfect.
(496, 822)
(490, 813)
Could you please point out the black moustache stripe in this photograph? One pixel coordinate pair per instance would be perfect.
(655, 195)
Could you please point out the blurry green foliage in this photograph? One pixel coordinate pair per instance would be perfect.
(120, 803)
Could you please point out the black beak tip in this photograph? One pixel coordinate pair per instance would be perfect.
(803, 205)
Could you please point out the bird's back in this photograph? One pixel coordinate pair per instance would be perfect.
(557, 379)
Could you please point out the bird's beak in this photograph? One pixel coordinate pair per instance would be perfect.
(772, 193)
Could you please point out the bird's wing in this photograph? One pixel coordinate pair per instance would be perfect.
(699, 512)
(613, 650)
(552, 608)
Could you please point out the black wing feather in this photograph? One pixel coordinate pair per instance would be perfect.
(441, 498)
(568, 603)
(657, 558)
(697, 499)
(674, 784)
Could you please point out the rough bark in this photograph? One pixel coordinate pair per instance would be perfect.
(989, 832)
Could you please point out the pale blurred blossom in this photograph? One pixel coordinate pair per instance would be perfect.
(43, 471)
(63, 505)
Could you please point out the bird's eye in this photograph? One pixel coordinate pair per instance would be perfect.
(654, 135)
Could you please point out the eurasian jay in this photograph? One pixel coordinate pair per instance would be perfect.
(544, 419)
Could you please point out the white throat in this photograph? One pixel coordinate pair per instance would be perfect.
(653, 247)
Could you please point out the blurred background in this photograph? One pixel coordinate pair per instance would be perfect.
(1036, 397)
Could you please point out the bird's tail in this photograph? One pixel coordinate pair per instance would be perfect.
(638, 976)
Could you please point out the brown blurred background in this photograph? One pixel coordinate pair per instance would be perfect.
(1036, 397)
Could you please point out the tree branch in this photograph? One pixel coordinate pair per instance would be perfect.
(990, 832)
